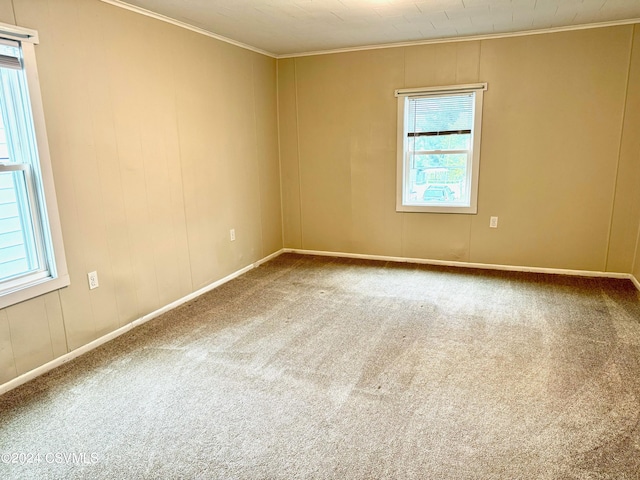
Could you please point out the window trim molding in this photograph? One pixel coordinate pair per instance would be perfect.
(469, 87)
(20, 34)
(474, 162)
(61, 278)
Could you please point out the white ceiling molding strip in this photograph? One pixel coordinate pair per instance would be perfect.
(162, 18)
(489, 36)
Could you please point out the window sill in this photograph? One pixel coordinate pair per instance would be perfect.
(27, 292)
(472, 210)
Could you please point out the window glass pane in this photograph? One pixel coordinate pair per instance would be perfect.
(438, 179)
(17, 141)
(440, 142)
(18, 253)
(4, 148)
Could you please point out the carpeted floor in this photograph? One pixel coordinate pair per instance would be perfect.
(311, 367)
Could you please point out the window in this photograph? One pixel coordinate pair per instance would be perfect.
(439, 148)
(32, 260)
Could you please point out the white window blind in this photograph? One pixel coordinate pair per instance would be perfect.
(441, 115)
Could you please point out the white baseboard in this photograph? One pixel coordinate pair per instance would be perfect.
(25, 377)
(36, 372)
(483, 266)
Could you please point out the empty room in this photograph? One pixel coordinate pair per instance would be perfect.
(293, 239)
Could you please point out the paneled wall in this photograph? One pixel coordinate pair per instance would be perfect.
(162, 140)
(559, 158)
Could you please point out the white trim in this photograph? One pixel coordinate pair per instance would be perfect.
(488, 36)
(635, 281)
(35, 289)
(178, 23)
(471, 87)
(450, 263)
(20, 34)
(44, 159)
(36, 372)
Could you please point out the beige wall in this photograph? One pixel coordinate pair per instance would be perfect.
(556, 167)
(161, 141)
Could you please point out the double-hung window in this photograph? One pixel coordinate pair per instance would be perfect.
(439, 148)
(32, 260)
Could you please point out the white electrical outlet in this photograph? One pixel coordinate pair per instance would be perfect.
(493, 222)
(93, 280)
(232, 234)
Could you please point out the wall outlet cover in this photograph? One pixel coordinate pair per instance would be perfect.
(93, 280)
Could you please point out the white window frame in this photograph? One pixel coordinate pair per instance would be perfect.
(56, 275)
(403, 204)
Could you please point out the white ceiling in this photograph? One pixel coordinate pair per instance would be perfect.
(285, 27)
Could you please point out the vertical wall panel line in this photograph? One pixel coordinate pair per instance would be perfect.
(622, 126)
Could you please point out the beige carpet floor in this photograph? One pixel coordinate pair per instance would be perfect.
(311, 367)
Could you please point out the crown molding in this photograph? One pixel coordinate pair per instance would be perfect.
(471, 38)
